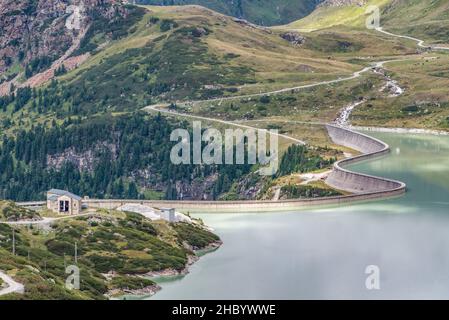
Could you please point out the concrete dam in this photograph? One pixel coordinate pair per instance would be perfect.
(354, 182)
(362, 186)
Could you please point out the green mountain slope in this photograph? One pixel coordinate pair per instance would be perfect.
(421, 18)
(262, 12)
(425, 100)
(427, 19)
(328, 16)
(171, 55)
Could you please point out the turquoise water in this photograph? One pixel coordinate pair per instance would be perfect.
(323, 253)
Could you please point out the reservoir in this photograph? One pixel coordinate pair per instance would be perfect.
(322, 253)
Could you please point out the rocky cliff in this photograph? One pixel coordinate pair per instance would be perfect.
(34, 33)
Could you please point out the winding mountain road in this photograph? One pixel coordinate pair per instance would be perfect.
(419, 41)
(355, 75)
(186, 115)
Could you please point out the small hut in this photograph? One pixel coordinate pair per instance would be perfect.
(63, 202)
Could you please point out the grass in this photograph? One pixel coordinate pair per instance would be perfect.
(427, 19)
(262, 12)
(233, 58)
(124, 242)
(424, 104)
(9, 211)
(328, 17)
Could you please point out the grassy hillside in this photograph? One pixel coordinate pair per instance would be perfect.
(424, 103)
(191, 53)
(330, 16)
(428, 19)
(9, 211)
(174, 45)
(262, 12)
(109, 241)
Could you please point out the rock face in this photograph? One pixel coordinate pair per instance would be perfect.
(294, 38)
(342, 3)
(33, 29)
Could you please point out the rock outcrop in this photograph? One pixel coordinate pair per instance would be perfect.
(39, 32)
(342, 3)
(294, 38)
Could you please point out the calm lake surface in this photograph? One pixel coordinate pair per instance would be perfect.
(323, 253)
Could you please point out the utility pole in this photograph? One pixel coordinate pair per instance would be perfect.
(76, 253)
(13, 241)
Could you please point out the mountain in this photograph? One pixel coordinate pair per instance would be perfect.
(57, 121)
(35, 33)
(349, 13)
(57, 133)
(261, 12)
(424, 100)
(422, 18)
(427, 19)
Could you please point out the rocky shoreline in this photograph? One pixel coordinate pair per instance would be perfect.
(116, 294)
(153, 289)
(191, 259)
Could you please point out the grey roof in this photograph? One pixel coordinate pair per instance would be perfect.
(52, 197)
(63, 193)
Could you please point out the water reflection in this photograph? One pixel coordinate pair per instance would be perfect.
(323, 253)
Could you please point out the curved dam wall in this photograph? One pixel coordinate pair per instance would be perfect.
(354, 182)
(362, 186)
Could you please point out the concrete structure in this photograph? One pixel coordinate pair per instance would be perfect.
(168, 214)
(364, 187)
(63, 202)
(146, 211)
(359, 183)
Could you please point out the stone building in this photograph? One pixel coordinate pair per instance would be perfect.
(168, 214)
(63, 202)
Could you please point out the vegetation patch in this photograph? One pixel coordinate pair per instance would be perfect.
(306, 191)
(116, 244)
(9, 211)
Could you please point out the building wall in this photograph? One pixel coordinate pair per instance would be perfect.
(74, 205)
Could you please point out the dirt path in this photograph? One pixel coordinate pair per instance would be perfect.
(45, 221)
(419, 41)
(156, 108)
(354, 75)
